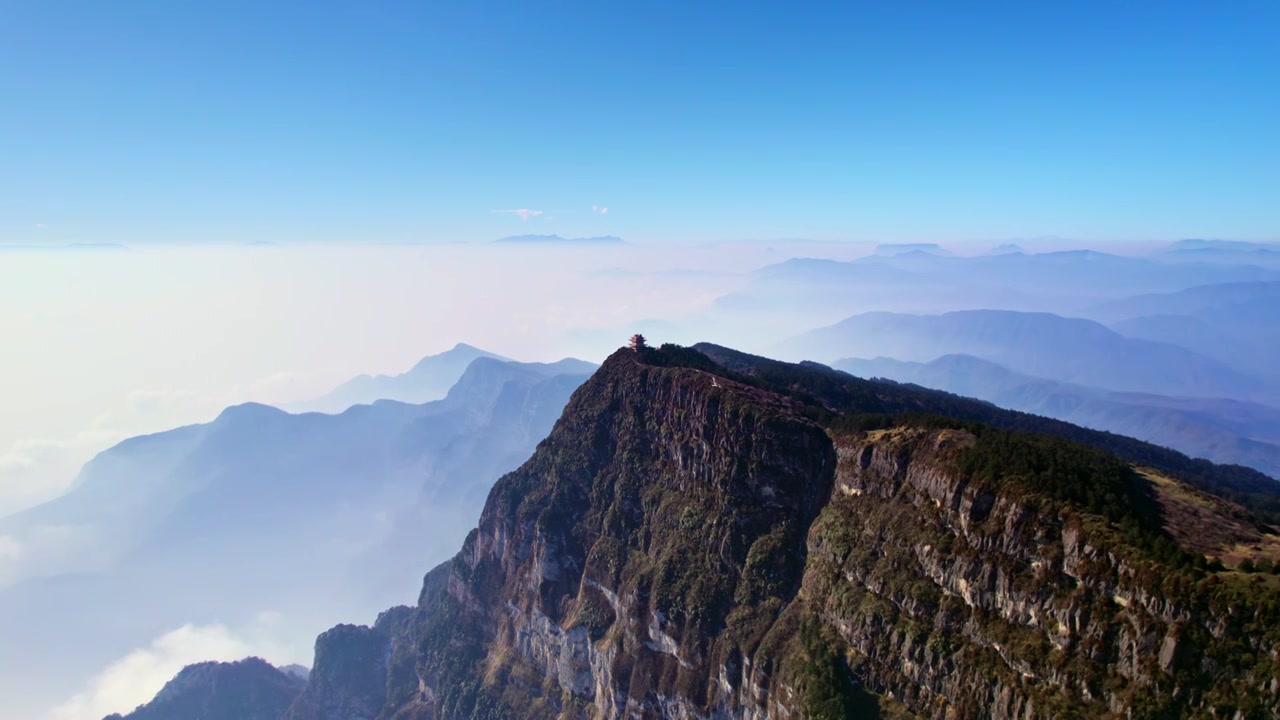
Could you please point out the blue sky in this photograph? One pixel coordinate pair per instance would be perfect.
(409, 122)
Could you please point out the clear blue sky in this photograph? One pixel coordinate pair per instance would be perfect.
(414, 121)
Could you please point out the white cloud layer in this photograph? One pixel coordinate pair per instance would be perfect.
(36, 469)
(136, 678)
(109, 346)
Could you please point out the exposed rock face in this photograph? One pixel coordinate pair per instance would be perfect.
(967, 602)
(691, 545)
(349, 681)
(608, 565)
(247, 690)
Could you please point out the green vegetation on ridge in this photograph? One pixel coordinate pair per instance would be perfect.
(832, 547)
(844, 394)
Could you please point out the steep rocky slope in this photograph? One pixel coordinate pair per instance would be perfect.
(247, 690)
(752, 540)
(842, 394)
(965, 575)
(607, 568)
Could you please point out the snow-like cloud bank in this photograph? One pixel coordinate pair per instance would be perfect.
(136, 678)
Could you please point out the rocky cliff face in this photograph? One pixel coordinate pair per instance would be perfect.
(350, 676)
(968, 598)
(607, 568)
(247, 690)
(696, 543)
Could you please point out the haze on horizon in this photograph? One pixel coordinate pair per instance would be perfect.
(104, 358)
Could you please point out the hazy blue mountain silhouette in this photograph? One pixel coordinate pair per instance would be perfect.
(427, 380)
(1236, 323)
(1256, 300)
(262, 510)
(1038, 344)
(1085, 272)
(1224, 252)
(1005, 249)
(1224, 431)
(893, 249)
(1067, 282)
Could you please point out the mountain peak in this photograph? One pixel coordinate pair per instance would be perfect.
(460, 352)
(649, 559)
(429, 379)
(249, 412)
(1006, 249)
(896, 249)
(250, 689)
(706, 533)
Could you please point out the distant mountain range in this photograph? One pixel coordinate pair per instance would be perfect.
(823, 291)
(1235, 323)
(1005, 249)
(1042, 345)
(1078, 272)
(1258, 302)
(1236, 245)
(427, 380)
(552, 239)
(894, 249)
(1224, 431)
(710, 534)
(284, 512)
(1223, 251)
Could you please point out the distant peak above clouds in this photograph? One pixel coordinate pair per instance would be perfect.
(429, 379)
(1236, 252)
(553, 239)
(1239, 245)
(1006, 249)
(893, 249)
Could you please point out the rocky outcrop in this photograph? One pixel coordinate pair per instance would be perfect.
(250, 689)
(693, 543)
(969, 602)
(349, 680)
(644, 549)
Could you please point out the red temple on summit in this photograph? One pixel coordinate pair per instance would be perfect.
(637, 342)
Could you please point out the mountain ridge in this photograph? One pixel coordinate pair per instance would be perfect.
(249, 689)
(1072, 350)
(319, 517)
(1223, 431)
(429, 379)
(707, 533)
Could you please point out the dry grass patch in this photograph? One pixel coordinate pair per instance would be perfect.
(1211, 526)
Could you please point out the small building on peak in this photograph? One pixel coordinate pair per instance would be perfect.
(637, 342)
